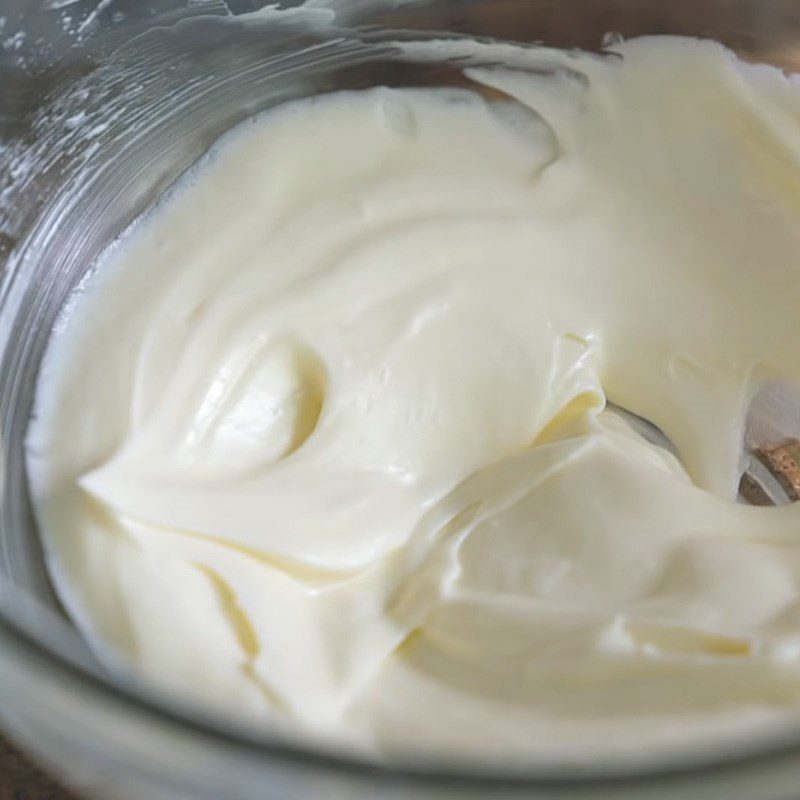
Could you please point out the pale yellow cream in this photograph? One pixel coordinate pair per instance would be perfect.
(323, 442)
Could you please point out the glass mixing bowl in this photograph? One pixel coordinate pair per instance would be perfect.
(102, 105)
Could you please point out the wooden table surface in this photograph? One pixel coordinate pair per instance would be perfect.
(21, 780)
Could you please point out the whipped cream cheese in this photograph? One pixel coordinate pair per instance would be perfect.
(324, 439)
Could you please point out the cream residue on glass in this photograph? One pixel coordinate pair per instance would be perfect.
(324, 439)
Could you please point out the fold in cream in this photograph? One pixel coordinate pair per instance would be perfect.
(323, 441)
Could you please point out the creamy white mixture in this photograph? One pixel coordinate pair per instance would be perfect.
(324, 440)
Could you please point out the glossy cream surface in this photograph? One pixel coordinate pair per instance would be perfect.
(323, 440)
